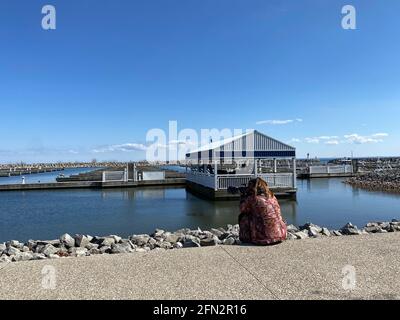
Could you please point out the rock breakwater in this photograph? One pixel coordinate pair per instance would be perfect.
(387, 180)
(85, 245)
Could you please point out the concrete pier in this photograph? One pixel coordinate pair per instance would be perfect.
(92, 184)
(324, 175)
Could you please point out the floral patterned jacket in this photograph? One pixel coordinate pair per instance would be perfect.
(261, 221)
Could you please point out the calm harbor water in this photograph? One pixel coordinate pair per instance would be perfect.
(46, 177)
(48, 214)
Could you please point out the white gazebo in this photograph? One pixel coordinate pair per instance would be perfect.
(233, 162)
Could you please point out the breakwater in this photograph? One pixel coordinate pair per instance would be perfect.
(85, 245)
(388, 180)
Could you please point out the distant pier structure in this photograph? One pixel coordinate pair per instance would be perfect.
(233, 162)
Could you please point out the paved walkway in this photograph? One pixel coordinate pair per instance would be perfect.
(303, 269)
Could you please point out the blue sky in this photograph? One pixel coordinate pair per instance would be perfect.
(112, 70)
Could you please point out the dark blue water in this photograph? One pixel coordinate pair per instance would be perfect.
(46, 177)
(48, 214)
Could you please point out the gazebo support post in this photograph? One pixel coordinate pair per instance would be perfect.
(215, 175)
(294, 173)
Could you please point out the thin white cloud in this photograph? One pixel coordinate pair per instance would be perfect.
(380, 135)
(294, 140)
(126, 147)
(359, 139)
(312, 140)
(279, 122)
(323, 138)
(327, 137)
(332, 142)
(348, 138)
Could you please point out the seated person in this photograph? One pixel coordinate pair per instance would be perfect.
(260, 219)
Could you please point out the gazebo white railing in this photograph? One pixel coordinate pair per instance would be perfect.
(224, 181)
(329, 169)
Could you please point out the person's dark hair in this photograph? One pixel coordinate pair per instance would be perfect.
(259, 187)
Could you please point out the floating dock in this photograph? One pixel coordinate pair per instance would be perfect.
(93, 185)
(211, 194)
(324, 175)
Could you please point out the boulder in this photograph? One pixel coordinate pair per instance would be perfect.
(183, 231)
(165, 245)
(217, 232)
(39, 248)
(384, 225)
(12, 251)
(228, 241)
(290, 236)
(121, 248)
(349, 230)
(301, 235)
(55, 243)
(31, 244)
(5, 259)
(91, 246)
(94, 251)
(393, 228)
(2, 247)
(172, 238)
(292, 228)
(81, 240)
(141, 240)
(23, 256)
(38, 256)
(313, 232)
(142, 250)
(107, 241)
(77, 252)
(372, 228)
(196, 233)
(326, 232)
(309, 225)
(178, 245)
(207, 242)
(117, 239)
(49, 249)
(105, 249)
(15, 244)
(191, 241)
(63, 251)
(158, 233)
(67, 240)
(372, 224)
(336, 233)
(225, 235)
